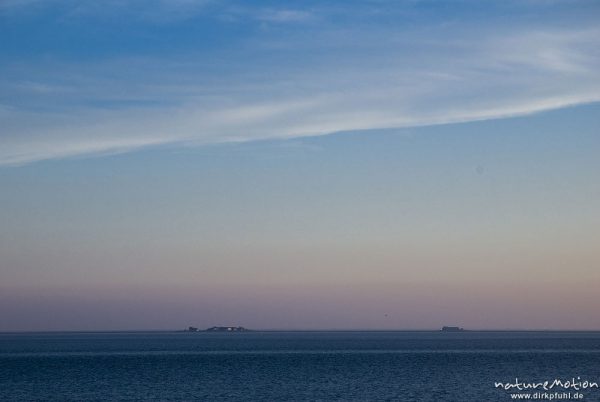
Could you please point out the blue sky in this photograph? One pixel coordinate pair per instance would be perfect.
(299, 165)
(84, 77)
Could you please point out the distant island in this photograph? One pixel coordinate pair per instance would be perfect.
(218, 329)
(226, 329)
(452, 329)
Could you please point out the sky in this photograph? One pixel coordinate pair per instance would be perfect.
(299, 165)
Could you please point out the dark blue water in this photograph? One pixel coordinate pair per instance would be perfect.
(290, 366)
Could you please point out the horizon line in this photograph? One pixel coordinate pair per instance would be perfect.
(2, 332)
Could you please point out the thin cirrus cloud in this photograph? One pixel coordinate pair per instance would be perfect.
(291, 74)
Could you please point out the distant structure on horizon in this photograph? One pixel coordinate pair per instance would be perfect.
(226, 329)
(218, 329)
(452, 329)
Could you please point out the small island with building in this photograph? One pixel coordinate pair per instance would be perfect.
(452, 329)
(226, 329)
(218, 329)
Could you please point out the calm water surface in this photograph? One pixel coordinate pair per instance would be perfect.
(290, 366)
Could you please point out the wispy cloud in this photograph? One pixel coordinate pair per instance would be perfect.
(283, 15)
(329, 79)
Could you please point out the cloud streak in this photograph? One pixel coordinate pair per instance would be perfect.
(281, 83)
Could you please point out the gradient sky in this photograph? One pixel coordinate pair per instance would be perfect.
(301, 165)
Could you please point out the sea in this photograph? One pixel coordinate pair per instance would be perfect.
(300, 366)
